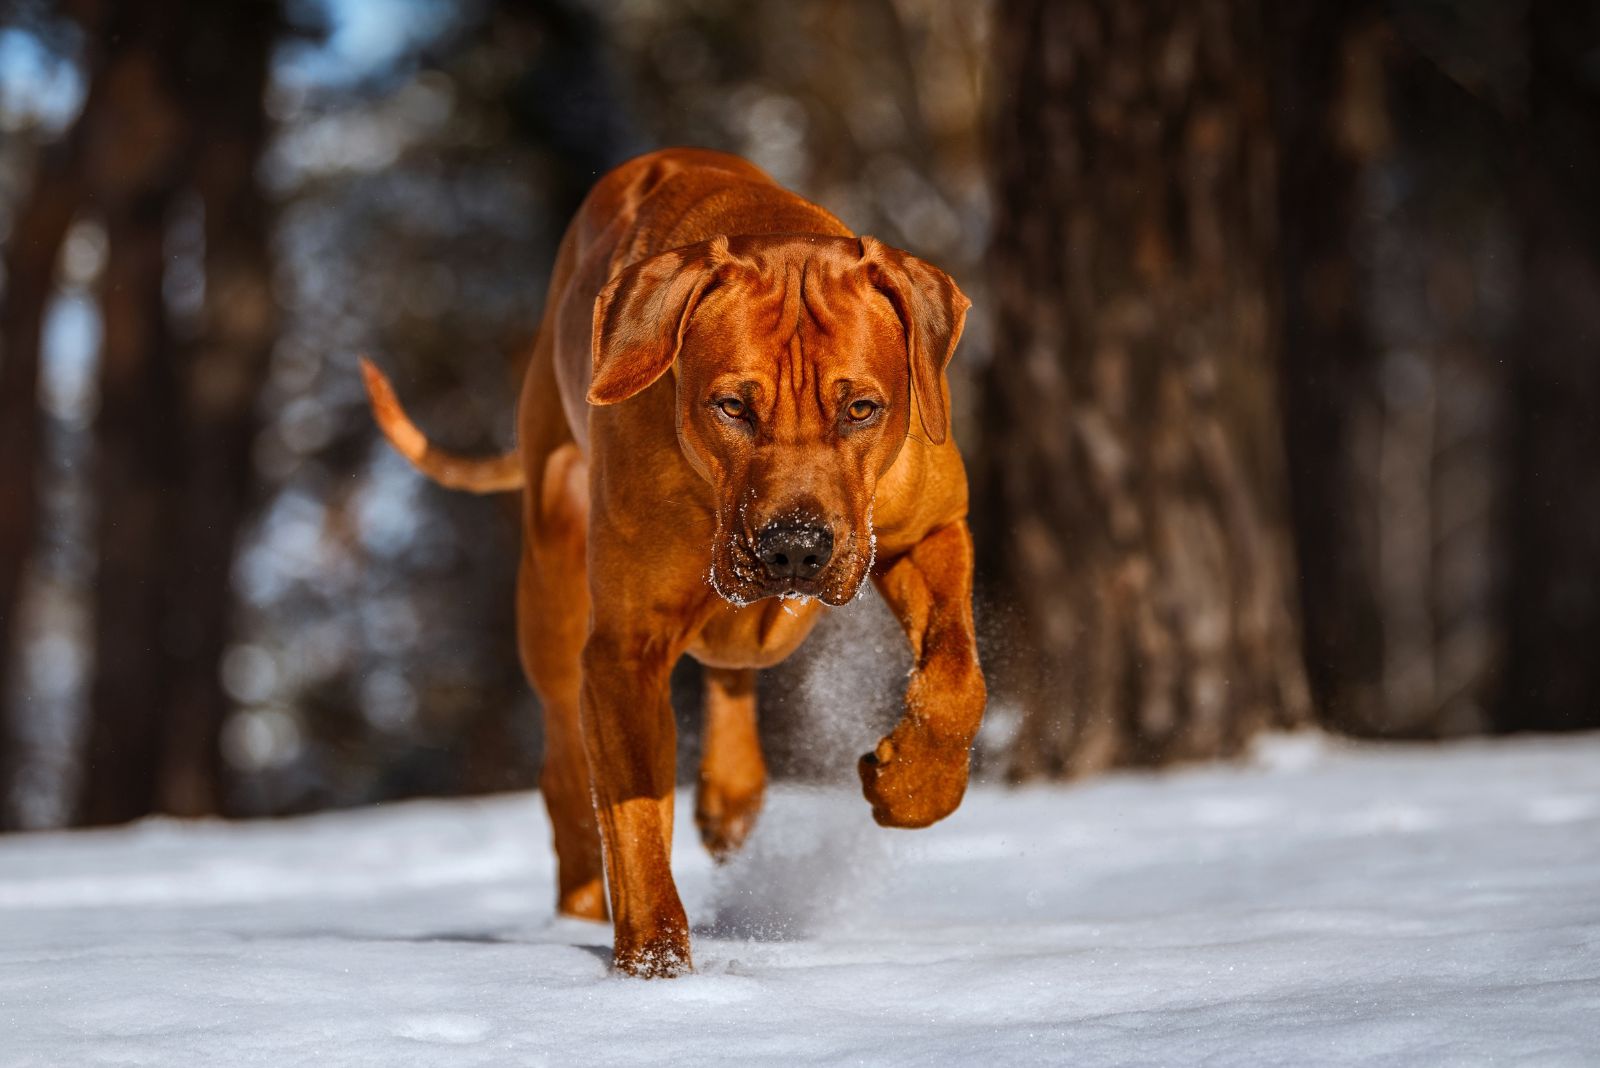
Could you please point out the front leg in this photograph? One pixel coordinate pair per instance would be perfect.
(918, 773)
(631, 740)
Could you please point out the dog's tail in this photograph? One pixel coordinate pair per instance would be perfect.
(488, 474)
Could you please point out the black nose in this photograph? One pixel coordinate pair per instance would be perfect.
(790, 551)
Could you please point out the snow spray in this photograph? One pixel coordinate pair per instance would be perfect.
(816, 855)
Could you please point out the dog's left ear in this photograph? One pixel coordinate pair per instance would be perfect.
(641, 315)
(932, 309)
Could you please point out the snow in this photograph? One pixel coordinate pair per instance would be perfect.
(1322, 904)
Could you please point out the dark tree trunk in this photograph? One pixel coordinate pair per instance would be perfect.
(1395, 240)
(1553, 671)
(1331, 119)
(39, 228)
(1132, 403)
(226, 60)
(132, 180)
(30, 265)
(177, 416)
(138, 438)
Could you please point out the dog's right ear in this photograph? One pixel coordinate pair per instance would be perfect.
(641, 315)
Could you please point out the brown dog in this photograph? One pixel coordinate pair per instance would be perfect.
(736, 411)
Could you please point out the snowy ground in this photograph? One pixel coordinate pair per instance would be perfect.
(1324, 905)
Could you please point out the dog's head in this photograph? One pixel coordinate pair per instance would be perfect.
(798, 360)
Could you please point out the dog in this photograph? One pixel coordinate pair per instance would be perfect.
(736, 412)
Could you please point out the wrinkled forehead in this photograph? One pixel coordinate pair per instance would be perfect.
(812, 307)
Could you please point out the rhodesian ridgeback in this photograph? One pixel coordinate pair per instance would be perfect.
(736, 412)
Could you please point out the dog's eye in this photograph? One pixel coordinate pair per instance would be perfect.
(862, 410)
(732, 407)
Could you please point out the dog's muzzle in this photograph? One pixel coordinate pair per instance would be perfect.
(789, 558)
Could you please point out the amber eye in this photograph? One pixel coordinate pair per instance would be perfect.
(732, 407)
(862, 410)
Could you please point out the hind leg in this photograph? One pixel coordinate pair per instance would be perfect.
(552, 621)
(733, 775)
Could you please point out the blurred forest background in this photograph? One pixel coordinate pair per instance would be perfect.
(1279, 394)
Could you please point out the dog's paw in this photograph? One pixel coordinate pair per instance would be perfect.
(584, 902)
(911, 779)
(725, 818)
(662, 957)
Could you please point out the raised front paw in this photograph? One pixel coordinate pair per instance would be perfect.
(911, 779)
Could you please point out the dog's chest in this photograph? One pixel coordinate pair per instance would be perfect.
(758, 635)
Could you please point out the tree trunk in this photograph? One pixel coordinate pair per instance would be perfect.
(1394, 224)
(1553, 674)
(139, 446)
(1135, 444)
(136, 179)
(1332, 118)
(223, 372)
(177, 418)
(30, 265)
(39, 228)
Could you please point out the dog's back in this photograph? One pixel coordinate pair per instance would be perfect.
(678, 196)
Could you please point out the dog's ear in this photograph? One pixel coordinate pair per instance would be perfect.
(932, 309)
(641, 315)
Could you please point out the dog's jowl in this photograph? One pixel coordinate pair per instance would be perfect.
(736, 414)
